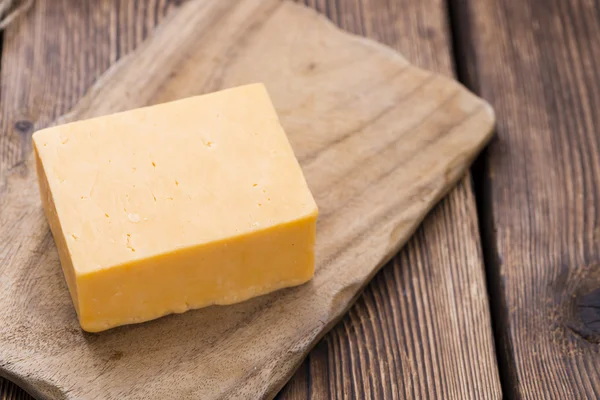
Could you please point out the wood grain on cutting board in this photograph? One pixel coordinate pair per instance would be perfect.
(186, 67)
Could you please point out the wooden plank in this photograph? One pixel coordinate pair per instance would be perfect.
(429, 281)
(50, 57)
(536, 61)
(422, 327)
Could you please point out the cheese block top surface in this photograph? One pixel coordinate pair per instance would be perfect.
(144, 182)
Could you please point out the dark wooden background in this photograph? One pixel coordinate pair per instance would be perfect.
(498, 292)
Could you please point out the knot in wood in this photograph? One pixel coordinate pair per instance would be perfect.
(24, 127)
(589, 310)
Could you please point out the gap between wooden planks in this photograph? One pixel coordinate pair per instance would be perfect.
(536, 62)
(422, 328)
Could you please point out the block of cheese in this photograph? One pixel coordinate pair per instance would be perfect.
(177, 206)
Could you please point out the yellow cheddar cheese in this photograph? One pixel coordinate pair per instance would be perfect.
(177, 206)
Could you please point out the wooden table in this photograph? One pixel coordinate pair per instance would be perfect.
(498, 291)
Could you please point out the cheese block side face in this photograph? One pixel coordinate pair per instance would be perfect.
(222, 273)
(181, 205)
(57, 232)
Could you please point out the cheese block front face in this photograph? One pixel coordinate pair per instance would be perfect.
(177, 206)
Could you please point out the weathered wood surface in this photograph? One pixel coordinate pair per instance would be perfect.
(421, 329)
(536, 61)
(419, 335)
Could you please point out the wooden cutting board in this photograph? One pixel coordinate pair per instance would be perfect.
(379, 140)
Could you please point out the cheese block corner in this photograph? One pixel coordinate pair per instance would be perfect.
(176, 206)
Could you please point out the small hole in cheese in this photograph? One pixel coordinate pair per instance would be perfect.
(153, 164)
(128, 244)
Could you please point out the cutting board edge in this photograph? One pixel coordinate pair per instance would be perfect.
(491, 122)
